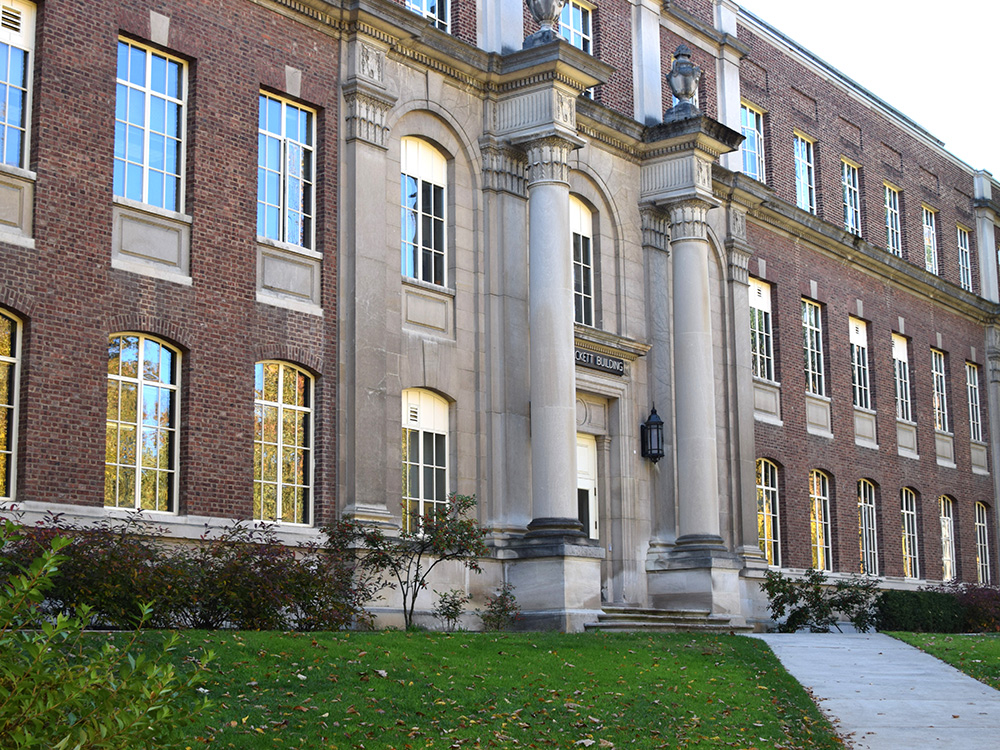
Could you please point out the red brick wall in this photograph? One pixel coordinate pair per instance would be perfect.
(613, 45)
(703, 10)
(72, 298)
(789, 268)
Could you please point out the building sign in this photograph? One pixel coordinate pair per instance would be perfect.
(601, 362)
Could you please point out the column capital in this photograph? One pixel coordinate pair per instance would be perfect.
(548, 159)
(655, 228)
(689, 220)
(504, 167)
(366, 111)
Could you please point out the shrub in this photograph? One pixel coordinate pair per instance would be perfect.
(810, 602)
(502, 609)
(450, 606)
(981, 606)
(920, 611)
(61, 690)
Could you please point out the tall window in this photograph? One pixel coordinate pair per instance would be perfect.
(964, 259)
(940, 391)
(761, 344)
(422, 218)
(901, 366)
(285, 172)
(982, 544)
(282, 443)
(425, 455)
(581, 223)
(805, 178)
(576, 27)
(435, 11)
(17, 37)
(141, 447)
(767, 511)
(149, 127)
(859, 363)
(752, 127)
(812, 336)
(972, 388)
(851, 183)
(867, 530)
(893, 236)
(10, 354)
(948, 559)
(819, 520)
(930, 240)
(911, 552)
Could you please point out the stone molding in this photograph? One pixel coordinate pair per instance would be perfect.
(688, 220)
(739, 254)
(548, 160)
(655, 228)
(504, 169)
(366, 114)
(993, 353)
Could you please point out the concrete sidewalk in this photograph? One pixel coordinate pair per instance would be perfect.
(885, 695)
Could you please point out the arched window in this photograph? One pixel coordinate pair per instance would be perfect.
(867, 531)
(282, 443)
(911, 548)
(423, 181)
(819, 520)
(982, 543)
(10, 355)
(949, 563)
(581, 224)
(425, 455)
(767, 511)
(143, 414)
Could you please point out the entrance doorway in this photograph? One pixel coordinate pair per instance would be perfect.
(586, 484)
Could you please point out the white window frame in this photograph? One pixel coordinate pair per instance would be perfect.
(10, 364)
(438, 12)
(972, 390)
(867, 528)
(983, 570)
(761, 333)
(289, 454)
(150, 389)
(930, 239)
(576, 26)
(768, 521)
(127, 166)
(423, 253)
(964, 259)
(939, 380)
(901, 368)
(812, 337)
(18, 32)
(893, 231)
(752, 129)
(911, 548)
(425, 485)
(805, 174)
(860, 377)
(290, 216)
(949, 562)
(850, 179)
(581, 225)
(819, 520)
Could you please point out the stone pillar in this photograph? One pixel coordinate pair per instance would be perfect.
(501, 26)
(694, 377)
(647, 80)
(552, 366)
(986, 215)
(727, 74)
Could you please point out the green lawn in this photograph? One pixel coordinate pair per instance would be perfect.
(976, 655)
(474, 690)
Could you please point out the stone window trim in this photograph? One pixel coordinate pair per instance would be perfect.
(805, 172)
(850, 179)
(426, 458)
(11, 328)
(949, 555)
(768, 511)
(964, 258)
(893, 229)
(910, 532)
(984, 572)
(752, 129)
(437, 12)
(929, 223)
(819, 520)
(867, 528)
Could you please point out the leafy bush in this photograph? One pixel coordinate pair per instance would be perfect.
(61, 690)
(502, 609)
(810, 602)
(919, 611)
(449, 607)
(981, 606)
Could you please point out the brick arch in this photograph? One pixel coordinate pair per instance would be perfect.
(22, 305)
(295, 355)
(165, 329)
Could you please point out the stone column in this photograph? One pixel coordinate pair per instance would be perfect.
(727, 73)
(552, 366)
(647, 67)
(986, 214)
(694, 377)
(501, 26)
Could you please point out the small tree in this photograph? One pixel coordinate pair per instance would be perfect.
(502, 609)
(422, 545)
(449, 607)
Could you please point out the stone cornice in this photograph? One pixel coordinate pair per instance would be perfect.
(609, 344)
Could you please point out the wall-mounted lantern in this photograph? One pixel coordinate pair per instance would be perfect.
(651, 437)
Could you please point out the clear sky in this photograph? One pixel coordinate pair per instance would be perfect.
(937, 63)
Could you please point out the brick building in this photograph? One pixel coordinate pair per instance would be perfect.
(496, 244)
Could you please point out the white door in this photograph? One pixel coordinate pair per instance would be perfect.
(586, 483)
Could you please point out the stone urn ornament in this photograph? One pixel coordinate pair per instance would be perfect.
(546, 13)
(683, 78)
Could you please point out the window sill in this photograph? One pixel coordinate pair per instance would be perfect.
(267, 297)
(164, 213)
(151, 241)
(17, 199)
(419, 284)
(289, 247)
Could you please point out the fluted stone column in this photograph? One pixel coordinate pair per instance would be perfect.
(553, 371)
(694, 377)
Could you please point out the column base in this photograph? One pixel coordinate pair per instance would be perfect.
(570, 528)
(698, 577)
(377, 516)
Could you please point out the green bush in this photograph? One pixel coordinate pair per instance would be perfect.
(62, 690)
(502, 609)
(920, 611)
(811, 602)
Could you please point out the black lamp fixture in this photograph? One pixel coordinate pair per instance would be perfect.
(651, 437)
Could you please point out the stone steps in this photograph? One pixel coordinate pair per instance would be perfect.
(633, 619)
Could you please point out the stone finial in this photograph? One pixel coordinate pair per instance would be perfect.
(546, 13)
(683, 78)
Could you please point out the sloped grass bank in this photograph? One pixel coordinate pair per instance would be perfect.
(480, 690)
(976, 655)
